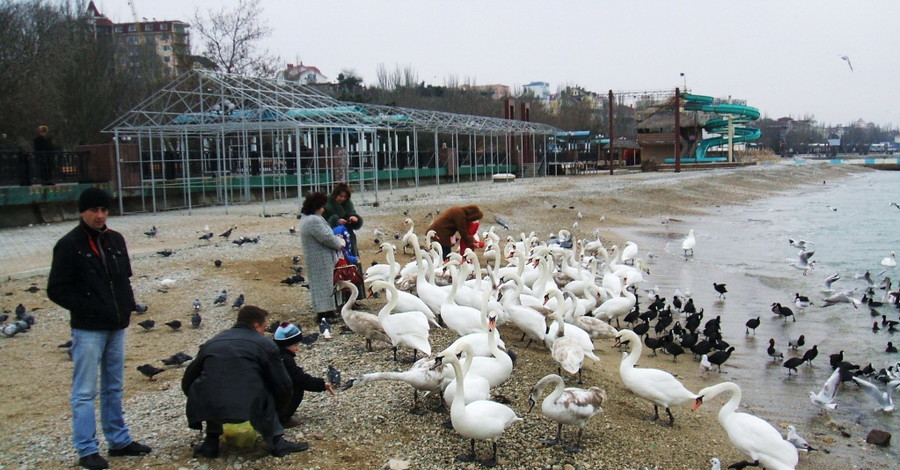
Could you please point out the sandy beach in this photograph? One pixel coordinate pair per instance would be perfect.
(366, 427)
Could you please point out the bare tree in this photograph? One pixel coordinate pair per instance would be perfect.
(230, 38)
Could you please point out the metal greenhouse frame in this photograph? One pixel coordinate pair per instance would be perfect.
(216, 138)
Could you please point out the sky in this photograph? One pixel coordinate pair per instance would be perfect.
(783, 57)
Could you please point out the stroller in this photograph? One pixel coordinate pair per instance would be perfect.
(341, 297)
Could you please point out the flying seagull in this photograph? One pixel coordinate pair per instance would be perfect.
(848, 62)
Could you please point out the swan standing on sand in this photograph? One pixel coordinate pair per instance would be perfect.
(362, 323)
(482, 419)
(408, 329)
(421, 376)
(572, 406)
(689, 243)
(750, 434)
(654, 385)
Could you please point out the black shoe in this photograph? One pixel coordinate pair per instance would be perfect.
(135, 448)
(209, 448)
(283, 447)
(93, 462)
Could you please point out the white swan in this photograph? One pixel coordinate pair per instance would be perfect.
(482, 419)
(531, 322)
(383, 272)
(477, 387)
(421, 376)
(497, 368)
(572, 406)
(407, 329)
(750, 434)
(460, 318)
(654, 385)
(616, 307)
(567, 352)
(890, 261)
(362, 323)
(689, 243)
(629, 252)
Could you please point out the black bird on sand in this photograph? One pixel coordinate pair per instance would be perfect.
(238, 302)
(720, 288)
(149, 371)
(811, 354)
(792, 363)
(273, 326)
(151, 233)
(218, 263)
(67, 344)
(719, 357)
(165, 253)
(140, 308)
(4, 317)
(796, 343)
(147, 324)
(752, 324)
(174, 324)
(227, 233)
(334, 376)
(177, 359)
(295, 279)
(196, 319)
(206, 236)
(309, 339)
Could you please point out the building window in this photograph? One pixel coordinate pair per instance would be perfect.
(148, 27)
(132, 28)
(167, 48)
(120, 29)
(164, 26)
(167, 59)
(164, 37)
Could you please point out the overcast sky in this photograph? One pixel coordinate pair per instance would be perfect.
(782, 56)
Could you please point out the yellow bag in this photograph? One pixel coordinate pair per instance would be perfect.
(239, 435)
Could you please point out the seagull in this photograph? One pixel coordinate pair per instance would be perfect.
(831, 208)
(894, 204)
(826, 286)
(803, 263)
(716, 464)
(798, 441)
(848, 61)
(884, 398)
(825, 398)
(841, 297)
(705, 365)
(801, 244)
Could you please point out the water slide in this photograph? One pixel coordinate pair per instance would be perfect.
(740, 114)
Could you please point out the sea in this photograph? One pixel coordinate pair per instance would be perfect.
(851, 226)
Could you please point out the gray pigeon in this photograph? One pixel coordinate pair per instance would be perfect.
(238, 302)
(9, 330)
(197, 305)
(149, 371)
(501, 222)
(221, 298)
(151, 233)
(140, 308)
(174, 324)
(196, 319)
(147, 325)
(207, 236)
(334, 376)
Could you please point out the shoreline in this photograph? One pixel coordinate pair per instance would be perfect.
(364, 427)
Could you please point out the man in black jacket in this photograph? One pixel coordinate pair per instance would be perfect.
(238, 376)
(89, 277)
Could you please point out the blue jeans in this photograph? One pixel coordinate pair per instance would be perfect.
(96, 352)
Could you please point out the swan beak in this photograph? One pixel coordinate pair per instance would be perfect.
(379, 250)
(697, 403)
(532, 402)
(617, 342)
(438, 362)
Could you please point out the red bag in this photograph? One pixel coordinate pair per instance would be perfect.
(344, 271)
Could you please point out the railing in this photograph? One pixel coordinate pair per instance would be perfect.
(28, 168)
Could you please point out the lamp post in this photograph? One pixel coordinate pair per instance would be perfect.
(684, 82)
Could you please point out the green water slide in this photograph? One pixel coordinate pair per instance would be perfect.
(740, 114)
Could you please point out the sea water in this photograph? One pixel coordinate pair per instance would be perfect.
(852, 226)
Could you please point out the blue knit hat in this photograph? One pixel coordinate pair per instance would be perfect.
(287, 334)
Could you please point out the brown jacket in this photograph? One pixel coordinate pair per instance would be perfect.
(453, 220)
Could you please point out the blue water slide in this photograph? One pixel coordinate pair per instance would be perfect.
(740, 114)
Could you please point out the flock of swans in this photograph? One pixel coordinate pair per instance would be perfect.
(561, 298)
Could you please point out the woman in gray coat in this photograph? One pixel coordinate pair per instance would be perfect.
(320, 248)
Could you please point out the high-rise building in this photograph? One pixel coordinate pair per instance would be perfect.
(142, 44)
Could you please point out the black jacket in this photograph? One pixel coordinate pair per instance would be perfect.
(301, 380)
(98, 296)
(237, 376)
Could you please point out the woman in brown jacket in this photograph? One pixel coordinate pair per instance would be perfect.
(456, 220)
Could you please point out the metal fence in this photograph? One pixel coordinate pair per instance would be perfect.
(27, 168)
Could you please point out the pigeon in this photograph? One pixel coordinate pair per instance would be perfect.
(177, 359)
(196, 319)
(206, 236)
(165, 253)
(309, 339)
(227, 233)
(221, 298)
(151, 233)
(149, 371)
(238, 302)
(501, 222)
(720, 288)
(20, 310)
(218, 263)
(33, 289)
(292, 230)
(798, 441)
(325, 329)
(9, 330)
(296, 278)
(147, 324)
(140, 308)
(174, 324)
(3, 318)
(884, 398)
(67, 344)
(334, 376)
(197, 305)
(825, 398)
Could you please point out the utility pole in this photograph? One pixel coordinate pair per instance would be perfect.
(611, 136)
(677, 130)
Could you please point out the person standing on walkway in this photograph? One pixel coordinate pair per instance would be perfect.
(320, 250)
(90, 277)
(238, 376)
(43, 146)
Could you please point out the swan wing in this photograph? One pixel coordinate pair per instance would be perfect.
(483, 419)
(657, 386)
(759, 440)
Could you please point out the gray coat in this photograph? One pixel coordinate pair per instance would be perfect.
(320, 247)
